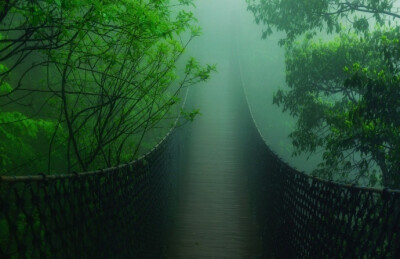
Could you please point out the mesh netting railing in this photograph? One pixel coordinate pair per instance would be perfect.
(120, 212)
(305, 217)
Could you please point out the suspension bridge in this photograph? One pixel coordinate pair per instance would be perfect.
(212, 189)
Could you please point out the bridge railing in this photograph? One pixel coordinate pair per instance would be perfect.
(118, 212)
(305, 217)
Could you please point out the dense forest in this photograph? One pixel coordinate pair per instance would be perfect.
(342, 76)
(83, 81)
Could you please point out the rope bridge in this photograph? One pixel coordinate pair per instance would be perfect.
(124, 212)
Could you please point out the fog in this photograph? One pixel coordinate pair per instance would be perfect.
(227, 24)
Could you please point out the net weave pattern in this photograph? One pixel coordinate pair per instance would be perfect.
(305, 217)
(120, 212)
(124, 212)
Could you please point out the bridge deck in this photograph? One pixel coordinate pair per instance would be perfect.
(214, 218)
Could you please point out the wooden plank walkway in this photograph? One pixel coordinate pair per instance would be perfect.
(214, 218)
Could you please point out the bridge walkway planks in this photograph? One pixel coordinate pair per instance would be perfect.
(214, 218)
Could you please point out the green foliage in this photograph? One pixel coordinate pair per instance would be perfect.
(20, 137)
(104, 73)
(5, 88)
(350, 112)
(343, 92)
(296, 17)
(190, 115)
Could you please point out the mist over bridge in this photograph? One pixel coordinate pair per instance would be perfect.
(212, 189)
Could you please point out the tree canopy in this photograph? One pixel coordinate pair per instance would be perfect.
(82, 81)
(296, 17)
(344, 92)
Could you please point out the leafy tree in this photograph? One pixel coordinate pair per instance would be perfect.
(103, 73)
(343, 92)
